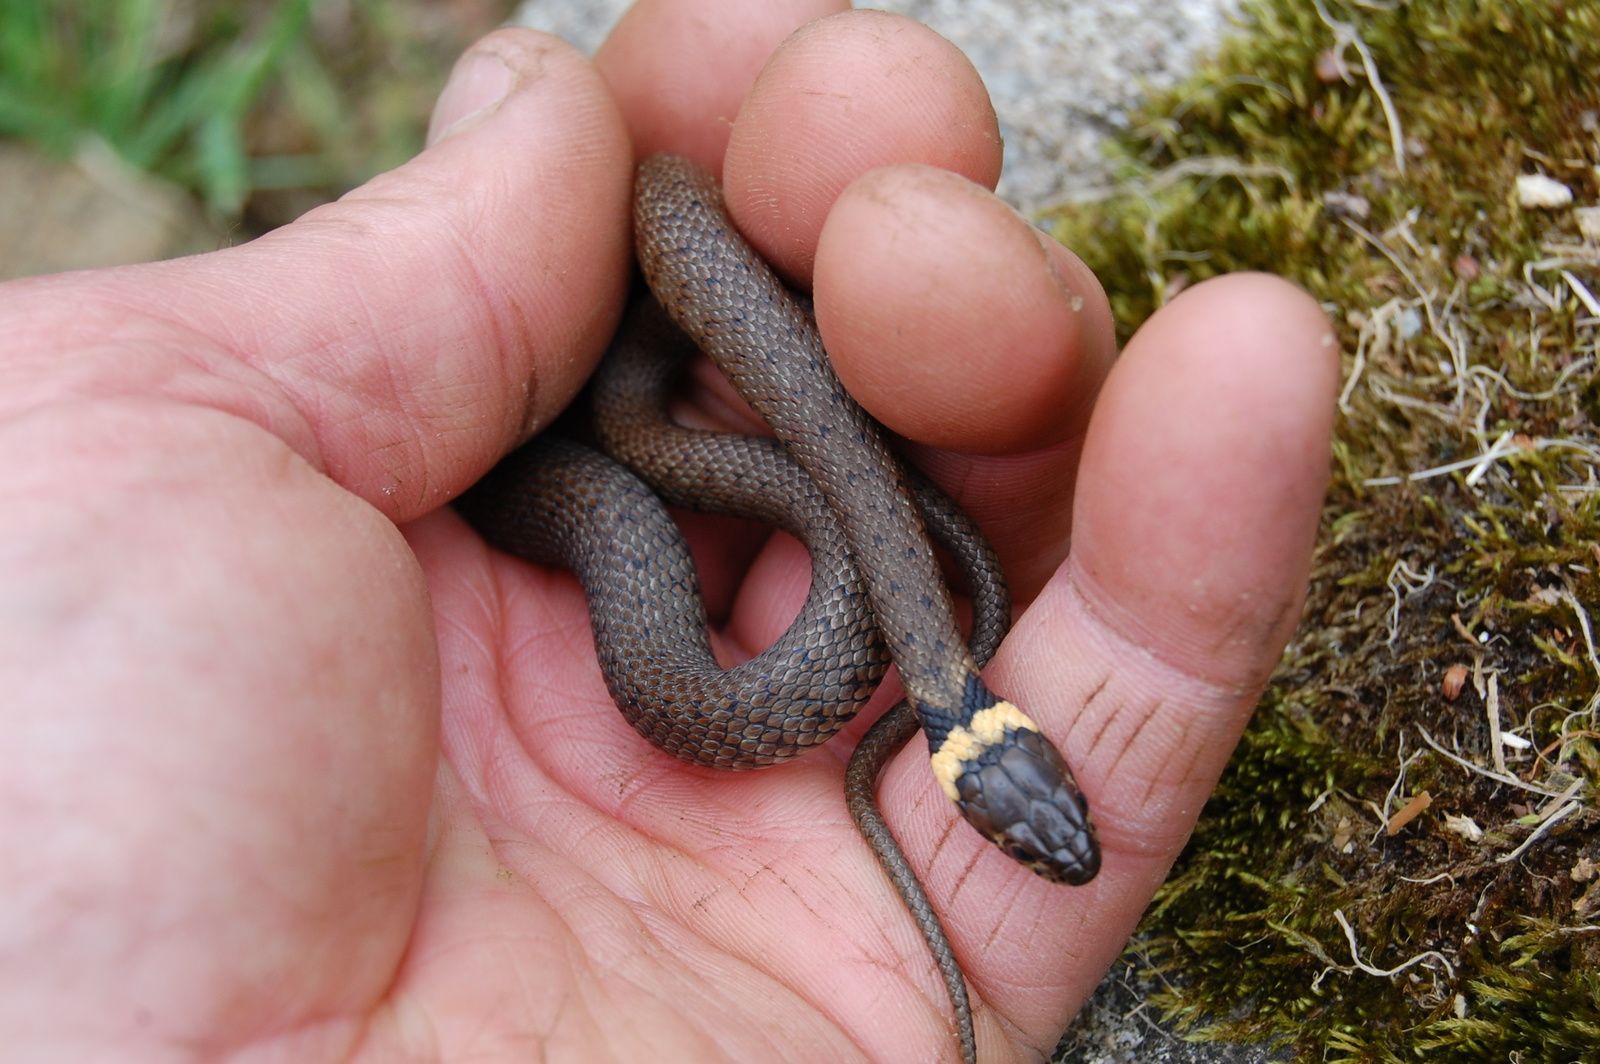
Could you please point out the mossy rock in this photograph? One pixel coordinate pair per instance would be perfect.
(1403, 860)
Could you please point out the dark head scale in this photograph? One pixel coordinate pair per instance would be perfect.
(1012, 784)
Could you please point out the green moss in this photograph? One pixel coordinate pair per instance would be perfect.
(1456, 347)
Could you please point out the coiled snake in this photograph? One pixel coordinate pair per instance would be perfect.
(832, 482)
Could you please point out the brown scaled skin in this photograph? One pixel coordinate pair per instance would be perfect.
(558, 502)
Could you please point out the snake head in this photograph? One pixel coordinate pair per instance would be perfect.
(1012, 784)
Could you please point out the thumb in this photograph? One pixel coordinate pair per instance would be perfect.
(403, 337)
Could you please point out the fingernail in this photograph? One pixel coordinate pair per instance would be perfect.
(478, 83)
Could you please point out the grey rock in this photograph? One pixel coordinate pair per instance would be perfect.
(1063, 74)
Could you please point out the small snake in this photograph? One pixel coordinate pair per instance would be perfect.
(834, 484)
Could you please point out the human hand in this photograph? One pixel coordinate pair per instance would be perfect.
(286, 780)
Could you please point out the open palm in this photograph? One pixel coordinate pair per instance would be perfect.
(298, 767)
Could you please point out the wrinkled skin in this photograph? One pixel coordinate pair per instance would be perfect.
(297, 768)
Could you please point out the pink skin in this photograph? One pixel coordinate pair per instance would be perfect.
(298, 769)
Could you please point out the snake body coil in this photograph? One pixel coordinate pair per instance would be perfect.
(832, 482)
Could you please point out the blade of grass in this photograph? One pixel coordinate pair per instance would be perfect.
(26, 47)
(128, 70)
(221, 162)
(220, 88)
